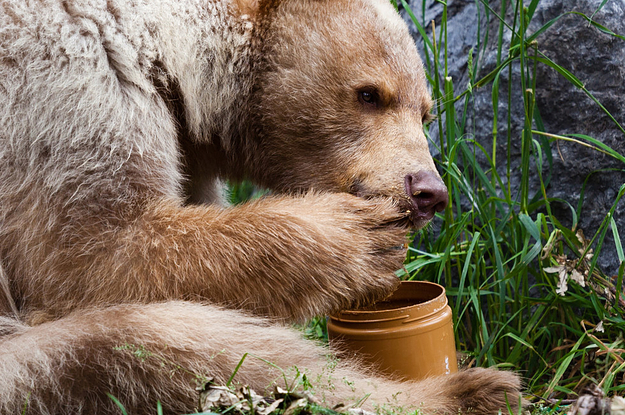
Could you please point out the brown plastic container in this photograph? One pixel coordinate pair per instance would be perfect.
(408, 336)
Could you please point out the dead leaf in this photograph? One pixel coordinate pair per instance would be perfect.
(618, 406)
(578, 277)
(599, 327)
(296, 406)
(359, 411)
(563, 286)
(214, 398)
(269, 409)
(592, 401)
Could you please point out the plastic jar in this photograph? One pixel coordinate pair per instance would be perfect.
(407, 336)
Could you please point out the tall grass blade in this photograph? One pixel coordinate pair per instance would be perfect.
(117, 403)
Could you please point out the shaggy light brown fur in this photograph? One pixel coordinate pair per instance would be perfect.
(119, 120)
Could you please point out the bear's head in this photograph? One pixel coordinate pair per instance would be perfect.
(341, 101)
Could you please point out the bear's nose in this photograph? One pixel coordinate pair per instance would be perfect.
(427, 192)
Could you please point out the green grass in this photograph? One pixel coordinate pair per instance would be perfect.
(493, 254)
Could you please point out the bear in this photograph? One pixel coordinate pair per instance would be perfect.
(120, 122)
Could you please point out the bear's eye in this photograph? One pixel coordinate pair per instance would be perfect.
(368, 97)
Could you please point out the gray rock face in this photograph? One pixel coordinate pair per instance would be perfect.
(596, 58)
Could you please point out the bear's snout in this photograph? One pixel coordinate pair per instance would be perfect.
(427, 193)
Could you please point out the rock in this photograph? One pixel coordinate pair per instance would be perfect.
(596, 58)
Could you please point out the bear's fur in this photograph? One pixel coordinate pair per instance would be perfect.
(120, 119)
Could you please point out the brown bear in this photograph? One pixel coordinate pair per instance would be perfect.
(120, 121)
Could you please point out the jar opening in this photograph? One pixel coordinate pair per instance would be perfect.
(416, 295)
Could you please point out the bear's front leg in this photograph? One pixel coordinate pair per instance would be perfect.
(290, 257)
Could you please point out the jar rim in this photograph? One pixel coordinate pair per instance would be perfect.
(428, 297)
